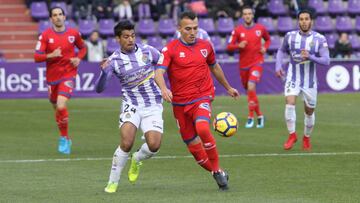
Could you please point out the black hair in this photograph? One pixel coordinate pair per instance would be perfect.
(188, 14)
(123, 25)
(56, 7)
(247, 7)
(306, 11)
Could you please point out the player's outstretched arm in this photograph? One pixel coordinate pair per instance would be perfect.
(220, 77)
(160, 81)
(278, 65)
(105, 75)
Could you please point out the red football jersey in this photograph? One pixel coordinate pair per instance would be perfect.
(249, 55)
(188, 70)
(59, 68)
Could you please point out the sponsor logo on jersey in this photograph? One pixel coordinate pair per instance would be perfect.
(51, 40)
(205, 106)
(258, 33)
(71, 39)
(204, 52)
(182, 55)
(145, 58)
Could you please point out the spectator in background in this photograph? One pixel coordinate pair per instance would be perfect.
(177, 7)
(81, 9)
(102, 8)
(343, 48)
(123, 9)
(224, 8)
(95, 48)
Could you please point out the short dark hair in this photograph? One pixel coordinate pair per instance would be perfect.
(188, 14)
(247, 7)
(55, 7)
(123, 25)
(306, 11)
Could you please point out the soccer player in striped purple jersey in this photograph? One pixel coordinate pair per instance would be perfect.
(133, 64)
(306, 48)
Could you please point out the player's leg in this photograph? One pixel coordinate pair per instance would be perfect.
(290, 118)
(255, 74)
(128, 122)
(244, 76)
(309, 116)
(190, 138)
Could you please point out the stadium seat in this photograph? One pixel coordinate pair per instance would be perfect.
(86, 27)
(207, 24)
(112, 45)
(106, 27)
(275, 43)
(43, 25)
(146, 27)
(155, 41)
(324, 24)
(239, 21)
(285, 24)
(70, 23)
(225, 26)
(277, 7)
(218, 45)
(222, 56)
(319, 6)
(357, 24)
(331, 39)
(355, 41)
(268, 23)
(39, 10)
(344, 24)
(62, 5)
(354, 7)
(336, 7)
(167, 27)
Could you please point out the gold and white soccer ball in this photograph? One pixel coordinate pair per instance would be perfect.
(225, 124)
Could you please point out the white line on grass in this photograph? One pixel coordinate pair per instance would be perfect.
(182, 157)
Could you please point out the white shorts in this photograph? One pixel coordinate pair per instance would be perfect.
(309, 95)
(147, 118)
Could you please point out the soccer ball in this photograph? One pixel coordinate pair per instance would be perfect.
(225, 124)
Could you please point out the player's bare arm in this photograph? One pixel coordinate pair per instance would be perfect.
(55, 53)
(160, 81)
(243, 44)
(75, 61)
(219, 75)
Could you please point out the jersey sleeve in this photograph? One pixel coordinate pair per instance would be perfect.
(266, 37)
(164, 59)
(233, 41)
(79, 42)
(211, 58)
(40, 49)
(285, 45)
(105, 76)
(155, 55)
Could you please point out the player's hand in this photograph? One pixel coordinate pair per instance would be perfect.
(56, 53)
(233, 93)
(280, 74)
(166, 94)
(304, 54)
(242, 44)
(75, 61)
(104, 63)
(263, 50)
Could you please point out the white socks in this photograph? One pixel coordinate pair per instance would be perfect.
(143, 153)
(309, 122)
(119, 161)
(290, 117)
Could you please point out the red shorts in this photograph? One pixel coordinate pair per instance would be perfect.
(252, 74)
(63, 88)
(187, 115)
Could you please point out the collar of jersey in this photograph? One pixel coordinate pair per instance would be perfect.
(59, 32)
(133, 51)
(186, 44)
(248, 27)
(306, 35)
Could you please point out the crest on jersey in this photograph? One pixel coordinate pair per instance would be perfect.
(258, 33)
(145, 58)
(71, 39)
(204, 52)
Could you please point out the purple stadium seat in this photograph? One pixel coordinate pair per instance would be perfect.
(70, 23)
(60, 4)
(319, 6)
(167, 27)
(357, 23)
(222, 56)
(331, 39)
(225, 26)
(106, 27)
(144, 11)
(355, 41)
(218, 45)
(344, 24)
(43, 25)
(275, 43)
(354, 7)
(207, 24)
(324, 24)
(240, 21)
(112, 45)
(146, 27)
(336, 7)
(155, 41)
(268, 23)
(86, 26)
(277, 7)
(285, 24)
(39, 10)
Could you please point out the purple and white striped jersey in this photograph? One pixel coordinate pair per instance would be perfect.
(135, 72)
(303, 72)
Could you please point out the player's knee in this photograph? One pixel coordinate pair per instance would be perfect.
(154, 146)
(126, 145)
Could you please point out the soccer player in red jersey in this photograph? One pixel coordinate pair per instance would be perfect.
(247, 38)
(189, 62)
(56, 46)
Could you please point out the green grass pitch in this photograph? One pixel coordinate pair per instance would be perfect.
(260, 170)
